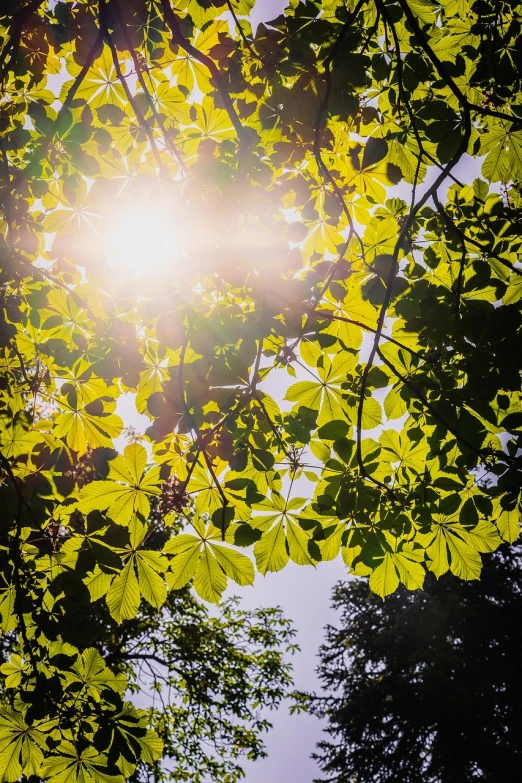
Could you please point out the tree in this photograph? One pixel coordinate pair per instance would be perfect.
(271, 152)
(198, 679)
(425, 686)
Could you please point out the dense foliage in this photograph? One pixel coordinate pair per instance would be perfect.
(199, 679)
(389, 326)
(426, 686)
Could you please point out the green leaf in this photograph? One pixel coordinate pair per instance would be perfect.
(71, 765)
(508, 523)
(465, 561)
(411, 572)
(235, 565)
(123, 598)
(187, 549)
(151, 585)
(209, 563)
(270, 551)
(90, 673)
(129, 490)
(210, 580)
(384, 579)
(307, 393)
(334, 430)
(82, 430)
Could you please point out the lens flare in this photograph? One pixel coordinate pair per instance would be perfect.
(144, 238)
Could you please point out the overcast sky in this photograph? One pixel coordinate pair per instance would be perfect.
(264, 10)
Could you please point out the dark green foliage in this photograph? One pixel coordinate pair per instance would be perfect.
(426, 687)
(200, 680)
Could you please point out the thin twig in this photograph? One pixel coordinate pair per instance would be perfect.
(408, 223)
(43, 145)
(242, 32)
(16, 31)
(135, 108)
(465, 238)
(199, 437)
(411, 386)
(334, 317)
(180, 40)
(139, 72)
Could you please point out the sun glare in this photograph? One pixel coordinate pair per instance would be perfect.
(145, 239)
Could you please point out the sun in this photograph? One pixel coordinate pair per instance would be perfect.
(145, 238)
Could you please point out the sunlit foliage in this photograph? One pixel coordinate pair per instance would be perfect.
(324, 325)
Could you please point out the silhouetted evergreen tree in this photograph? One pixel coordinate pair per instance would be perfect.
(426, 687)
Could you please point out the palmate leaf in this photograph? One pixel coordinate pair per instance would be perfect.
(72, 765)
(282, 538)
(127, 490)
(450, 549)
(81, 429)
(86, 384)
(74, 318)
(100, 86)
(21, 745)
(406, 453)
(142, 743)
(189, 71)
(14, 670)
(89, 674)
(140, 577)
(207, 560)
(404, 566)
(16, 439)
(326, 395)
(171, 102)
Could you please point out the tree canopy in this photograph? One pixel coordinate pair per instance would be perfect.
(341, 307)
(425, 687)
(199, 680)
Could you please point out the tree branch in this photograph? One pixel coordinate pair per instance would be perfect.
(18, 564)
(185, 44)
(135, 108)
(479, 452)
(15, 35)
(443, 72)
(168, 141)
(41, 149)
(408, 223)
(334, 317)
